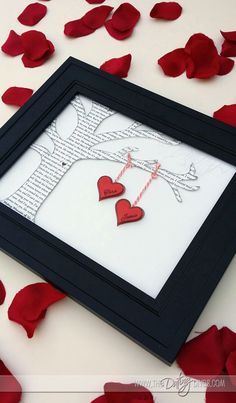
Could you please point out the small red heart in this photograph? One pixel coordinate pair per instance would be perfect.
(126, 213)
(107, 188)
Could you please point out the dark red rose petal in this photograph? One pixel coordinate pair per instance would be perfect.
(204, 56)
(127, 393)
(203, 356)
(2, 293)
(226, 66)
(228, 49)
(100, 399)
(221, 391)
(174, 63)
(231, 366)
(226, 114)
(117, 34)
(77, 28)
(10, 389)
(125, 17)
(95, 1)
(36, 63)
(16, 96)
(30, 304)
(228, 338)
(35, 44)
(13, 45)
(32, 14)
(96, 17)
(166, 11)
(118, 66)
(229, 36)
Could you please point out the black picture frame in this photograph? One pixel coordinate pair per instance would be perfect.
(160, 325)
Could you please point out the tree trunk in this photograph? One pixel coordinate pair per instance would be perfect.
(30, 196)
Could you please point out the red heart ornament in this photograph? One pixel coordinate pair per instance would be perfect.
(126, 213)
(107, 188)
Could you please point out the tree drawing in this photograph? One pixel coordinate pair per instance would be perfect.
(28, 199)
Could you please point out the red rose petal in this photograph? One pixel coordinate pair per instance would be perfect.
(100, 399)
(174, 63)
(2, 293)
(229, 36)
(117, 34)
(203, 357)
(127, 393)
(77, 28)
(13, 45)
(228, 338)
(226, 66)
(10, 389)
(32, 14)
(30, 304)
(228, 49)
(226, 114)
(231, 366)
(35, 44)
(118, 66)
(95, 1)
(204, 56)
(96, 17)
(16, 96)
(125, 17)
(221, 391)
(166, 11)
(36, 63)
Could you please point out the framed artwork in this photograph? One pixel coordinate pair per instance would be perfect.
(89, 152)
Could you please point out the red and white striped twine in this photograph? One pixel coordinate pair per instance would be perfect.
(127, 165)
(154, 175)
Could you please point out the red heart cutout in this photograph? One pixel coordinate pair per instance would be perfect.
(126, 213)
(107, 188)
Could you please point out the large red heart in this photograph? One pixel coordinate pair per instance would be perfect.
(107, 188)
(126, 213)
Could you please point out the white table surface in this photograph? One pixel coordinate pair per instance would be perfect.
(71, 340)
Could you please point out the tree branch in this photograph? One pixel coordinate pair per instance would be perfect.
(51, 131)
(132, 132)
(40, 149)
(176, 181)
(79, 107)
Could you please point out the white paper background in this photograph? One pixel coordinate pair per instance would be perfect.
(143, 253)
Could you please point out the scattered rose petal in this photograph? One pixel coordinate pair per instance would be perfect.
(2, 293)
(124, 393)
(174, 63)
(10, 389)
(35, 63)
(118, 66)
(96, 17)
(226, 66)
(220, 394)
(226, 114)
(16, 96)
(35, 44)
(115, 33)
(228, 49)
(166, 11)
(204, 56)
(231, 367)
(13, 45)
(203, 356)
(77, 29)
(30, 304)
(125, 17)
(228, 338)
(95, 1)
(32, 14)
(229, 36)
